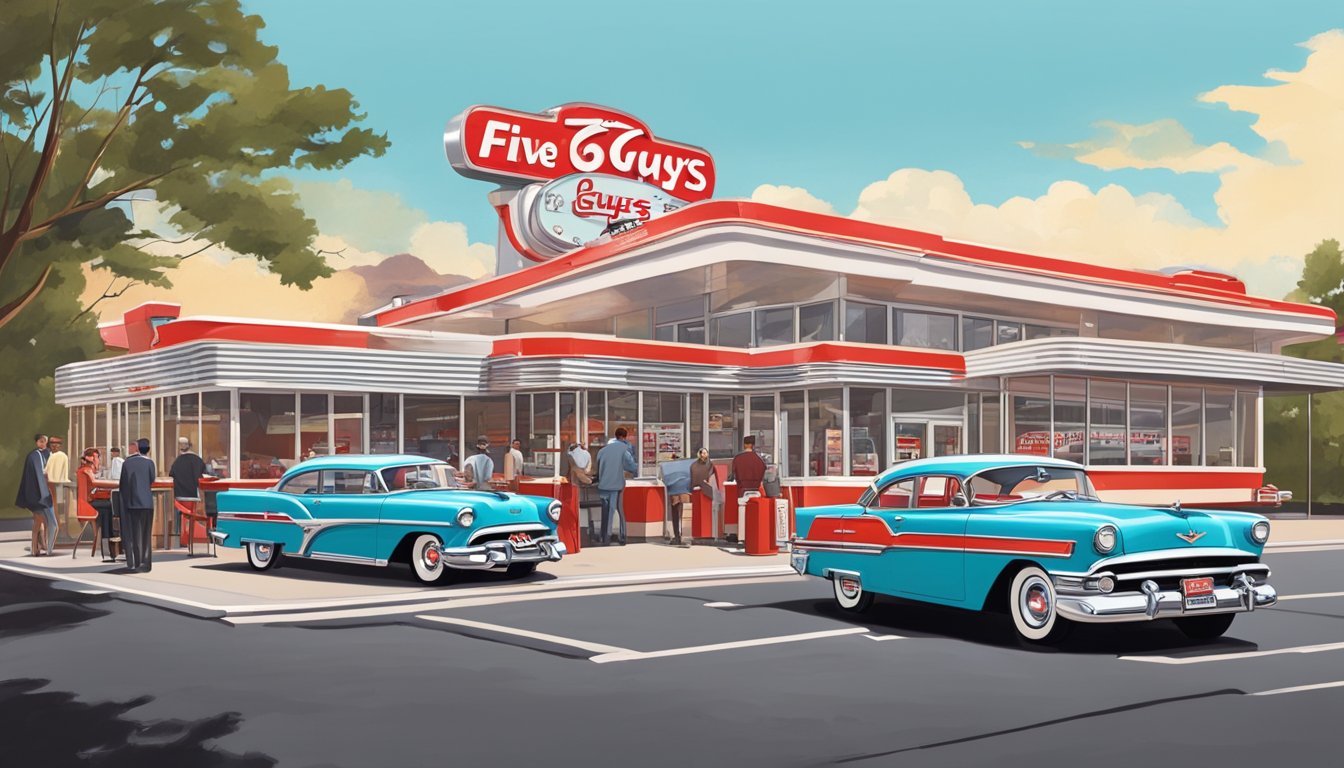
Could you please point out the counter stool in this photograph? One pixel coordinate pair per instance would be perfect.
(191, 515)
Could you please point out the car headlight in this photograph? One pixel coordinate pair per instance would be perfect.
(553, 511)
(465, 517)
(1260, 532)
(1104, 539)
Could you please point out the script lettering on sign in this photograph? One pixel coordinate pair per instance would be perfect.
(510, 147)
(578, 209)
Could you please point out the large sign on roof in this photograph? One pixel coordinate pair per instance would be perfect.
(515, 148)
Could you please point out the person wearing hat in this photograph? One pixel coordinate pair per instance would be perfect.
(137, 507)
(478, 469)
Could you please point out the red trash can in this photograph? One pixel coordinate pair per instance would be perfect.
(702, 515)
(760, 534)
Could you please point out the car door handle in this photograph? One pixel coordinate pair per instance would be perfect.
(897, 519)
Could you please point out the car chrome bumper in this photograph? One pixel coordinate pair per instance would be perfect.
(1153, 603)
(502, 554)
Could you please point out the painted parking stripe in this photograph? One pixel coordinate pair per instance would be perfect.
(1312, 596)
(582, 645)
(723, 605)
(1234, 656)
(608, 658)
(1300, 688)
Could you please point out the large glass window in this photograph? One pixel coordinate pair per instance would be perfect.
(774, 326)
(313, 436)
(791, 406)
(725, 426)
(731, 330)
(597, 420)
(569, 426)
(867, 431)
(634, 325)
(1186, 409)
(383, 434)
(1246, 429)
(762, 425)
(697, 436)
(664, 430)
(1007, 332)
(623, 411)
(1029, 415)
(215, 428)
(976, 333)
(826, 435)
(816, 322)
(865, 323)
(541, 447)
(1048, 331)
(990, 435)
(487, 416)
(1147, 424)
(1070, 417)
(348, 423)
(925, 329)
(692, 332)
(266, 432)
(432, 427)
(1219, 446)
(1106, 431)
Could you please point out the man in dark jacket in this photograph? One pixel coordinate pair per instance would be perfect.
(137, 506)
(35, 496)
(187, 470)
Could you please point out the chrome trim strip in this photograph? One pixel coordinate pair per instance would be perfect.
(515, 528)
(840, 546)
(877, 549)
(430, 523)
(1185, 572)
(342, 558)
(1173, 554)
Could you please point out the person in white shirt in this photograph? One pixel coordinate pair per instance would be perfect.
(114, 464)
(513, 464)
(478, 469)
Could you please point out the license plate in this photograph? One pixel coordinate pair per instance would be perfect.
(798, 560)
(1202, 601)
(521, 540)
(1197, 587)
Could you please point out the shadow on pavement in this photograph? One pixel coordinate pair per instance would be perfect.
(913, 619)
(31, 606)
(394, 575)
(57, 730)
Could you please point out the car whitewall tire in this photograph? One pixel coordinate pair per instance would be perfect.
(1032, 604)
(426, 565)
(850, 594)
(262, 555)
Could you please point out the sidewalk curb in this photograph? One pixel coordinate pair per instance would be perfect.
(1308, 543)
(207, 611)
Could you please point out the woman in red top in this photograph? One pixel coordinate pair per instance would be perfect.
(90, 491)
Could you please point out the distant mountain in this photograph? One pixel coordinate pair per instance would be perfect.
(404, 275)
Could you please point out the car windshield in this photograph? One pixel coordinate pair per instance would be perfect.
(419, 477)
(1022, 483)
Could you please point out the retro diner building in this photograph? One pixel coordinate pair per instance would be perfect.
(842, 346)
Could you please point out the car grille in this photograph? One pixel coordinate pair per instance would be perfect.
(1130, 575)
(532, 533)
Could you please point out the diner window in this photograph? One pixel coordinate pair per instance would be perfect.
(596, 433)
(725, 426)
(867, 431)
(1219, 443)
(976, 333)
(816, 322)
(991, 438)
(973, 427)
(541, 449)
(522, 421)
(1007, 332)
(384, 436)
(826, 440)
(692, 332)
(665, 332)
(762, 425)
(924, 329)
(216, 419)
(1246, 429)
(1186, 408)
(664, 429)
(1048, 331)
(266, 433)
(313, 425)
(697, 438)
(301, 484)
(487, 416)
(348, 423)
(731, 330)
(623, 411)
(774, 326)
(865, 323)
(633, 325)
(432, 427)
(569, 427)
(1029, 415)
(1070, 407)
(1147, 424)
(1106, 427)
(691, 309)
(791, 407)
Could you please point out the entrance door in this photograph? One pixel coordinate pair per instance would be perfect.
(921, 439)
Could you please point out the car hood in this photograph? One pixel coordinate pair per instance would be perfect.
(1144, 529)
(490, 508)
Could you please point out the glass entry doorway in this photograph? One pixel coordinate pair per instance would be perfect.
(915, 439)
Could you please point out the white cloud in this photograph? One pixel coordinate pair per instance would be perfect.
(1273, 209)
(369, 220)
(791, 197)
(445, 248)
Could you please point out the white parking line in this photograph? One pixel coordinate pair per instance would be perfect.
(1234, 656)
(1300, 688)
(582, 645)
(723, 605)
(607, 658)
(1312, 596)
(880, 638)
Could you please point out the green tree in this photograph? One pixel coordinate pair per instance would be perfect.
(1322, 283)
(176, 101)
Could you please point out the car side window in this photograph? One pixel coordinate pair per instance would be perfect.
(300, 485)
(348, 481)
(896, 495)
(936, 491)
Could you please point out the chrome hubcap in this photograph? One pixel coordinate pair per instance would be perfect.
(1035, 602)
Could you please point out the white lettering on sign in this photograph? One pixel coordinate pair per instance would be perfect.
(534, 151)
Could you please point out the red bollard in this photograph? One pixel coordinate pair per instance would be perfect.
(760, 534)
(568, 527)
(702, 516)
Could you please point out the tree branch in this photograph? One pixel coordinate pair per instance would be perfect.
(88, 205)
(122, 114)
(108, 293)
(13, 308)
(188, 238)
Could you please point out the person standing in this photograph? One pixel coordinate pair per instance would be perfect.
(748, 468)
(35, 496)
(137, 507)
(114, 464)
(58, 481)
(613, 461)
(478, 469)
(513, 464)
(187, 470)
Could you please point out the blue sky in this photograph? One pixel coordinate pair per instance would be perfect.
(827, 97)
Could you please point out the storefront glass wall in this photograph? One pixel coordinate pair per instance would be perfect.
(1070, 412)
(433, 427)
(865, 323)
(569, 419)
(597, 420)
(488, 416)
(266, 424)
(867, 431)
(1219, 440)
(662, 435)
(216, 428)
(731, 330)
(825, 420)
(725, 426)
(1106, 432)
(1147, 424)
(792, 406)
(384, 420)
(816, 322)
(697, 423)
(1187, 408)
(1247, 419)
(762, 425)
(347, 423)
(991, 440)
(1029, 415)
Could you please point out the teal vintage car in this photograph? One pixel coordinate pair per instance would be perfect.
(1028, 536)
(378, 510)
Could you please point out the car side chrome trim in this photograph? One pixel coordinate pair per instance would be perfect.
(429, 523)
(357, 560)
(840, 546)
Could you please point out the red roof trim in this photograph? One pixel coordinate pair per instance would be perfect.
(822, 352)
(189, 330)
(836, 228)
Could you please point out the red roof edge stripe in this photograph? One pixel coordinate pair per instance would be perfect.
(836, 228)
(824, 352)
(184, 331)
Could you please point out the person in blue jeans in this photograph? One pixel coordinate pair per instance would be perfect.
(613, 461)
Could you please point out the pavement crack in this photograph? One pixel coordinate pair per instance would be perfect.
(1042, 724)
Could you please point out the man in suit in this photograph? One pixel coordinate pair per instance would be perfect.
(137, 506)
(35, 496)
